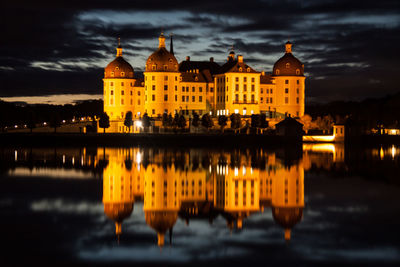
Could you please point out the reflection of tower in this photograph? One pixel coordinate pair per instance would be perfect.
(122, 183)
(161, 200)
(288, 197)
(237, 193)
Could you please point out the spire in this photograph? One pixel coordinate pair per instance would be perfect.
(161, 40)
(288, 47)
(171, 46)
(231, 55)
(119, 48)
(287, 234)
(160, 239)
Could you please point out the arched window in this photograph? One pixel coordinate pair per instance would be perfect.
(277, 72)
(287, 65)
(122, 74)
(240, 69)
(248, 69)
(116, 68)
(297, 72)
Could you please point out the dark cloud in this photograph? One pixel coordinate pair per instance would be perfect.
(349, 48)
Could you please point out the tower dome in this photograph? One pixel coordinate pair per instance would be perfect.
(161, 221)
(288, 65)
(119, 67)
(162, 59)
(287, 217)
(118, 212)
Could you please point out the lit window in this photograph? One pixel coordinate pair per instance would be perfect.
(248, 69)
(240, 69)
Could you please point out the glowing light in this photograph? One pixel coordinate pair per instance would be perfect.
(73, 160)
(15, 126)
(44, 123)
(319, 138)
(15, 155)
(244, 170)
(319, 147)
(138, 124)
(63, 121)
(236, 171)
(393, 151)
(63, 157)
(381, 153)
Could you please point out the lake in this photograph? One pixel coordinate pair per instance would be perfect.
(309, 205)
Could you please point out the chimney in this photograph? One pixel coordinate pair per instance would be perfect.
(240, 58)
(187, 58)
(211, 59)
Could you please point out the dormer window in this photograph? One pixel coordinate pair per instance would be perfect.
(277, 72)
(165, 67)
(297, 72)
(122, 74)
(170, 60)
(112, 74)
(196, 78)
(154, 67)
(116, 68)
(248, 69)
(240, 69)
(287, 65)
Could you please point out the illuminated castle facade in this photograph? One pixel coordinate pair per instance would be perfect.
(201, 86)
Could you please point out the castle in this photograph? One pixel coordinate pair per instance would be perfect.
(201, 86)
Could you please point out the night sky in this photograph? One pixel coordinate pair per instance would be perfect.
(349, 48)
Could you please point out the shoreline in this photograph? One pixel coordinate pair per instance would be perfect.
(175, 140)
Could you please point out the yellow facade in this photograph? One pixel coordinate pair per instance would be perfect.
(233, 87)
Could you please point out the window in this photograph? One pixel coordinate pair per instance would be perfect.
(153, 111)
(122, 74)
(183, 88)
(252, 87)
(252, 99)
(244, 87)
(266, 100)
(297, 90)
(237, 79)
(245, 79)
(176, 88)
(297, 72)
(165, 97)
(153, 97)
(122, 84)
(277, 72)
(187, 88)
(112, 74)
(176, 98)
(245, 98)
(200, 89)
(131, 92)
(138, 102)
(211, 89)
(122, 101)
(193, 89)
(122, 92)
(154, 87)
(111, 101)
(240, 69)
(165, 67)
(298, 82)
(193, 99)
(286, 100)
(286, 81)
(237, 87)
(261, 100)
(286, 90)
(183, 98)
(111, 84)
(270, 91)
(297, 100)
(270, 100)
(153, 78)
(237, 98)
(176, 78)
(252, 80)
(200, 99)
(262, 91)
(187, 98)
(138, 93)
(154, 67)
(287, 65)
(165, 78)
(112, 92)
(165, 87)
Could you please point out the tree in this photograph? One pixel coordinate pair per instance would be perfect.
(255, 121)
(236, 121)
(31, 124)
(181, 122)
(55, 121)
(128, 120)
(222, 122)
(104, 121)
(165, 120)
(196, 119)
(263, 121)
(146, 121)
(206, 121)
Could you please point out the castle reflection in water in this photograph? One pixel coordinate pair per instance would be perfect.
(197, 184)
